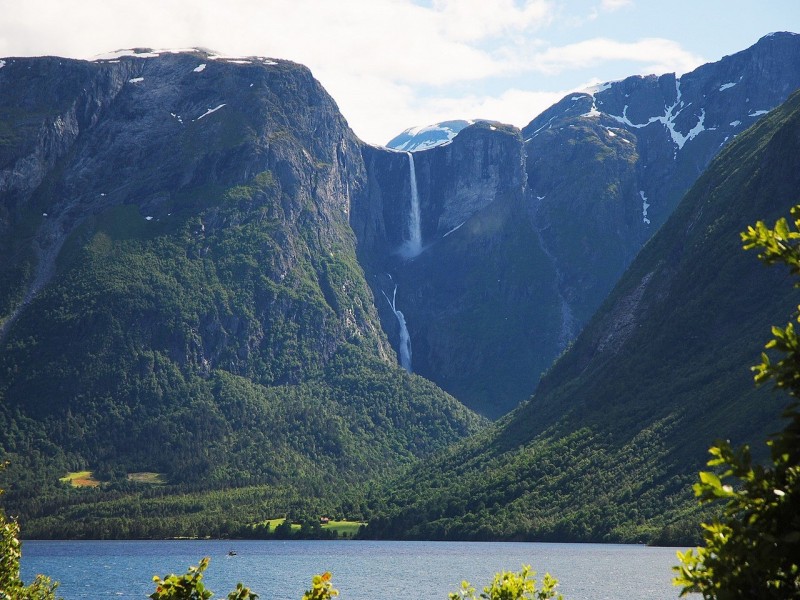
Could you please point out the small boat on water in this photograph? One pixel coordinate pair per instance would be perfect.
(231, 552)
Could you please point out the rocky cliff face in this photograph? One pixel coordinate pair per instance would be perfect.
(150, 132)
(592, 179)
(479, 298)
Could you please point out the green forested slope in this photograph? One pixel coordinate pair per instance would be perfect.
(183, 297)
(608, 445)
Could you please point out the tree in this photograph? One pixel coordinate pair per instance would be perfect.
(511, 586)
(753, 550)
(11, 586)
(190, 586)
(321, 588)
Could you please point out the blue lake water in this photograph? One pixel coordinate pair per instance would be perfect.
(279, 570)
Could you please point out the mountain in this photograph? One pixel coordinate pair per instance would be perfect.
(207, 279)
(607, 447)
(180, 287)
(524, 233)
(422, 138)
(477, 292)
(642, 142)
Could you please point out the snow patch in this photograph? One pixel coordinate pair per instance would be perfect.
(178, 117)
(668, 120)
(150, 53)
(148, 218)
(592, 113)
(610, 133)
(726, 86)
(2, 64)
(540, 197)
(533, 135)
(239, 60)
(200, 68)
(456, 228)
(136, 80)
(758, 113)
(735, 123)
(596, 89)
(209, 111)
(645, 206)
(127, 52)
(428, 136)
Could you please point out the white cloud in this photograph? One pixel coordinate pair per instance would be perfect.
(472, 20)
(389, 64)
(659, 55)
(612, 5)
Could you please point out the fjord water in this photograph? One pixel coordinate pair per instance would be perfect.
(279, 570)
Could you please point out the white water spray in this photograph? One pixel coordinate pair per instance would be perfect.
(413, 243)
(405, 338)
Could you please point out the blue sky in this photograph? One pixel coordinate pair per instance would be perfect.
(393, 64)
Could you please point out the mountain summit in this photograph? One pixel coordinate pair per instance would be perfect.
(422, 138)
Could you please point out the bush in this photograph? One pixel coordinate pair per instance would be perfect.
(753, 551)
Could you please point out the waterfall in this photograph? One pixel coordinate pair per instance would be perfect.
(413, 244)
(405, 338)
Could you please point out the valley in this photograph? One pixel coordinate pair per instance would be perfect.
(230, 310)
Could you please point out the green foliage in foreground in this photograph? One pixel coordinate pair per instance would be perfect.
(190, 586)
(511, 586)
(505, 586)
(321, 588)
(753, 551)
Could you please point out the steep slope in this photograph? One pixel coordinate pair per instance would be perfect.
(608, 445)
(536, 241)
(180, 286)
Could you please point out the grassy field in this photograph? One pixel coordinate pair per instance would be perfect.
(344, 528)
(80, 479)
(145, 477)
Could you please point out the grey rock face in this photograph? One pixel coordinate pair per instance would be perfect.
(153, 131)
(607, 167)
(479, 300)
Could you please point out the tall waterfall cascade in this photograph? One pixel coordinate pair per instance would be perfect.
(413, 242)
(405, 339)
